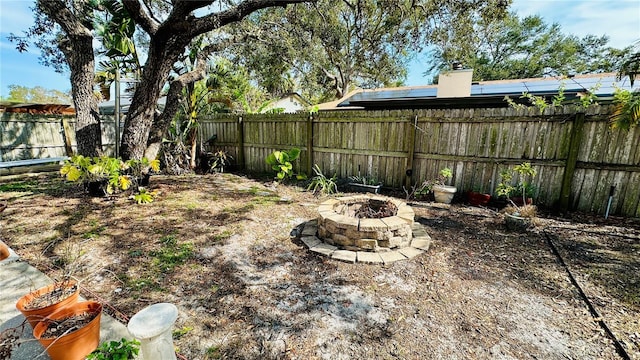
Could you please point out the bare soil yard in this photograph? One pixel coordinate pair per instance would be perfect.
(219, 247)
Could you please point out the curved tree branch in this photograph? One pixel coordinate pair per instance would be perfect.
(236, 13)
(141, 17)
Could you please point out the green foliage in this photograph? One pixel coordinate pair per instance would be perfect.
(96, 169)
(218, 160)
(144, 196)
(178, 333)
(281, 162)
(630, 64)
(519, 48)
(364, 180)
(38, 95)
(584, 100)
(320, 184)
(327, 48)
(171, 254)
(116, 350)
(118, 175)
(626, 113)
(523, 188)
(445, 175)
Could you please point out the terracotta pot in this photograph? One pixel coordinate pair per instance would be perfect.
(36, 315)
(4, 251)
(518, 201)
(478, 199)
(75, 345)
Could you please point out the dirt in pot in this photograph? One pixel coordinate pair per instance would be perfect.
(57, 295)
(68, 325)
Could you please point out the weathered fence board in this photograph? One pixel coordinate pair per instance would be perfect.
(476, 143)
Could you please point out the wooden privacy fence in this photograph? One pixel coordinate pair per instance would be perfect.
(37, 136)
(577, 156)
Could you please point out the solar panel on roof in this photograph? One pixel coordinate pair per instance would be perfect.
(605, 85)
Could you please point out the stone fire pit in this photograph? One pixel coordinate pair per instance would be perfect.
(366, 228)
(339, 226)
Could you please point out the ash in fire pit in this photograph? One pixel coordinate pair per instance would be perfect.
(363, 223)
(372, 209)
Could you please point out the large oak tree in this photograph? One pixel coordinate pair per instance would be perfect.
(330, 46)
(170, 27)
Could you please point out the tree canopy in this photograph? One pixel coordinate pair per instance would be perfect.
(71, 27)
(517, 48)
(40, 95)
(326, 48)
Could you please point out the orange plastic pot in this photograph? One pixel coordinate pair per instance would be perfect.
(4, 251)
(36, 315)
(75, 345)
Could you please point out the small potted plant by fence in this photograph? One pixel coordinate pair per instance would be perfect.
(40, 303)
(441, 192)
(364, 184)
(72, 332)
(519, 215)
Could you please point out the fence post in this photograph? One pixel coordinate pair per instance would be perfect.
(572, 158)
(310, 145)
(240, 141)
(66, 130)
(410, 154)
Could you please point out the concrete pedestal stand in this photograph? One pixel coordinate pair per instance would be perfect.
(152, 326)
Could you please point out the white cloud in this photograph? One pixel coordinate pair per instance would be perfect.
(617, 19)
(15, 15)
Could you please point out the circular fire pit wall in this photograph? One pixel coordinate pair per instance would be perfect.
(339, 226)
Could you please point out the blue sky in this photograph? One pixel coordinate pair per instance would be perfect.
(619, 19)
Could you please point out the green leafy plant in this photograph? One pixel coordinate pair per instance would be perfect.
(585, 99)
(97, 169)
(282, 162)
(424, 188)
(144, 196)
(139, 168)
(524, 188)
(364, 180)
(116, 350)
(444, 176)
(219, 160)
(626, 113)
(320, 184)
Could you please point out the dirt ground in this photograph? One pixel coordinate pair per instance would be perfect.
(220, 248)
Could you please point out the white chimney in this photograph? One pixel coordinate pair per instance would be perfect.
(455, 83)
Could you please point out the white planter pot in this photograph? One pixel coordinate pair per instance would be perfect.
(444, 193)
(365, 188)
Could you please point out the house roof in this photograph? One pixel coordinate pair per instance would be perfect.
(32, 108)
(483, 93)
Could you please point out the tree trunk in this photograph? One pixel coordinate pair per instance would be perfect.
(77, 47)
(142, 111)
(88, 130)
